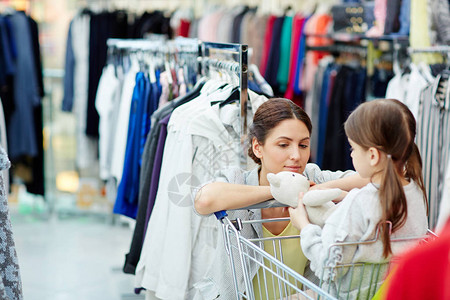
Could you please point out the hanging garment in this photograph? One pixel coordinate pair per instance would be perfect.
(4, 145)
(312, 109)
(299, 63)
(392, 23)
(325, 96)
(416, 83)
(297, 32)
(444, 208)
(150, 171)
(316, 30)
(34, 31)
(127, 193)
(380, 12)
(273, 61)
(102, 26)
(266, 46)
(86, 146)
(348, 93)
(285, 54)
(105, 102)
(440, 15)
(21, 127)
(433, 138)
(419, 33)
(69, 71)
(236, 25)
(120, 139)
(203, 144)
(404, 18)
(8, 56)
(255, 34)
(396, 88)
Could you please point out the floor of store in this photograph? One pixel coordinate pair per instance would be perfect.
(72, 257)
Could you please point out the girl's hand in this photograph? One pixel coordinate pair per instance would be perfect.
(341, 196)
(317, 186)
(299, 216)
(322, 186)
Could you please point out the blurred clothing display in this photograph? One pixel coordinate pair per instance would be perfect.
(21, 90)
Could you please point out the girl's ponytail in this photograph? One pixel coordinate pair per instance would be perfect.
(393, 203)
(413, 170)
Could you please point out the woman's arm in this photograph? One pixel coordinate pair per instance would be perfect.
(218, 196)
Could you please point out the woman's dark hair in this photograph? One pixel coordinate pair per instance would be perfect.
(269, 115)
(389, 126)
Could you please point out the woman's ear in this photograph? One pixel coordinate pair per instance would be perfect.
(256, 147)
(374, 156)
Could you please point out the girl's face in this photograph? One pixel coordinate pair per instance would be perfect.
(361, 160)
(286, 148)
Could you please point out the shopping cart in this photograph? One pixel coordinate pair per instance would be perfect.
(275, 280)
(362, 280)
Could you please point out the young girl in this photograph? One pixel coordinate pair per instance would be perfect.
(381, 134)
(279, 141)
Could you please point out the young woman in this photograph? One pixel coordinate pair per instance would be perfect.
(279, 139)
(381, 134)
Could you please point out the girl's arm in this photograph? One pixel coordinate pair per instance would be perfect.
(346, 184)
(218, 196)
(316, 241)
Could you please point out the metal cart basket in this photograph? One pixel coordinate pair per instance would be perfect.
(278, 281)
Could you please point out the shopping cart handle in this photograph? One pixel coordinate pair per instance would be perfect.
(221, 214)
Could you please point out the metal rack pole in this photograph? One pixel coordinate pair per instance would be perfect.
(243, 82)
(242, 52)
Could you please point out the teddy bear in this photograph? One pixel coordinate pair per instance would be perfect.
(285, 187)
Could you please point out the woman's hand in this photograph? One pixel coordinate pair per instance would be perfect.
(299, 216)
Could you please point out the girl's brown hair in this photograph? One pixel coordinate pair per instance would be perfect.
(269, 115)
(389, 126)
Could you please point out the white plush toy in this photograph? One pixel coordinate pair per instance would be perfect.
(285, 187)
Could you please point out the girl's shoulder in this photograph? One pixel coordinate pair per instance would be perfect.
(363, 196)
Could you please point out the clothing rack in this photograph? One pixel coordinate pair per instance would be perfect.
(432, 49)
(233, 58)
(179, 45)
(339, 48)
(445, 50)
(224, 56)
(165, 50)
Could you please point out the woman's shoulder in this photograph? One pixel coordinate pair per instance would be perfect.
(314, 173)
(237, 175)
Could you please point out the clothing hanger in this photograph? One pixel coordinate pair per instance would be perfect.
(425, 71)
(442, 87)
(442, 84)
(234, 96)
(8, 10)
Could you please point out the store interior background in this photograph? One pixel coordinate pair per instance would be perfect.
(69, 244)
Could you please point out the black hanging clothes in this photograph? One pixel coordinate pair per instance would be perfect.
(347, 94)
(102, 27)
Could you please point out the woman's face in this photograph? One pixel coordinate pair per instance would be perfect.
(286, 148)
